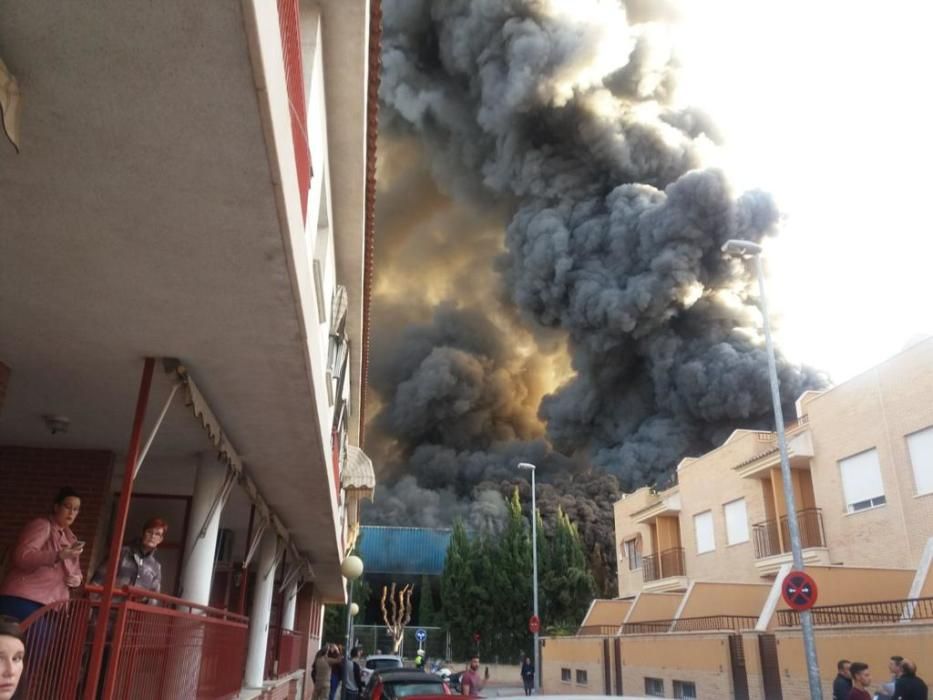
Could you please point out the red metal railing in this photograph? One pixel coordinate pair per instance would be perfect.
(283, 652)
(58, 637)
(289, 27)
(157, 647)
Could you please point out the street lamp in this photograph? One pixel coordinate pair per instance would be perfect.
(534, 565)
(748, 249)
(352, 569)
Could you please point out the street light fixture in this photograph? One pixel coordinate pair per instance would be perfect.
(748, 249)
(352, 569)
(534, 566)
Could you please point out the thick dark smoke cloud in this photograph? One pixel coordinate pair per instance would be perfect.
(561, 118)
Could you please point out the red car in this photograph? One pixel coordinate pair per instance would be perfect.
(406, 684)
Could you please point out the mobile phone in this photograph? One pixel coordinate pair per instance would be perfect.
(79, 543)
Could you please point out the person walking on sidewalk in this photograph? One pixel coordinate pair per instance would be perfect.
(528, 675)
(843, 683)
(908, 686)
(861, 681)
(470, 681)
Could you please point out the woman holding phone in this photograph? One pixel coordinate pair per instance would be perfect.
(45, 561)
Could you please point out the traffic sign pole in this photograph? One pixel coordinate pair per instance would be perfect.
(806, 620)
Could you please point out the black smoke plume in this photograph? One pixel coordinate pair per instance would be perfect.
(557, 123)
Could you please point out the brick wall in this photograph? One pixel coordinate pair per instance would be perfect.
(30, 478)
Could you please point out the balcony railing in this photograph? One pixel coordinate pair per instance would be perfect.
(772, 537)
(598, 631)
(289, 23)
(283, 652)
(878, 612)
(668, 563)
(708, 623)
(170, 649)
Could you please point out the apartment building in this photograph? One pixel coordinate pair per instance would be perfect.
(700, 614)
(186, 261)
(861, 457)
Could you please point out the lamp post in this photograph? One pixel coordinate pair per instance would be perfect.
(534, 566)
(746, 249)
(352, 569)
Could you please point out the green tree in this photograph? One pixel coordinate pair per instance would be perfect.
(567, 583)
(455, 589)
(427, 615)
(511, 580)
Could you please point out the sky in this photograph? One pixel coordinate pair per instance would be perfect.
(827, 105)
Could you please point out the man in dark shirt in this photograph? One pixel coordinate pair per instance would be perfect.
(908, 686)
(843, 683)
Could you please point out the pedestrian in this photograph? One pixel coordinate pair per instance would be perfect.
(909, 686)
(324, 662)
(138, 564)
(861, 681)
(12, 655)
(45, 563)
(355, 675)
(336, 673)
(886, 691)
(843, 683)
(420, 659)
(470, 683)
(528, 675)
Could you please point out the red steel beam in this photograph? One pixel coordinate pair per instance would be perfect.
(119, 530)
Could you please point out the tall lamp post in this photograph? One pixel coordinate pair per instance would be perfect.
(534, 567)
(748, 249)
(352, 569)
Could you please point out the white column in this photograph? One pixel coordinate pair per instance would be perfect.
(288, 610)
(198, 564)
(262, 609)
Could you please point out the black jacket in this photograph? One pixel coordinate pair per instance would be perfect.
(910, 688)
(841, 688)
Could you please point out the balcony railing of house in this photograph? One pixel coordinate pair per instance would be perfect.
(772, 537)
(708, 623)
(283, 652)
(668, 563)
(158, 647)
(289, 27)
(878, 612)
(598, 631)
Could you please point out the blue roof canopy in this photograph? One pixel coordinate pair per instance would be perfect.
(403, 550)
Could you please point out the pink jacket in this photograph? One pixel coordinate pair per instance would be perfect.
(34, 572)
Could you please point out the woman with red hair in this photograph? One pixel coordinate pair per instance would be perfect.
(138, 564)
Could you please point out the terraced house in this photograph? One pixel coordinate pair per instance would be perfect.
(185, 263)
(699, 611)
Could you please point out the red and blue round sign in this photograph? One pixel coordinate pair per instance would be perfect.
(799, 591)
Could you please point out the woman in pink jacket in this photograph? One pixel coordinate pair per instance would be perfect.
(45, 562)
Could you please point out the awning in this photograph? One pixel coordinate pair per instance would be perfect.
(358, 473)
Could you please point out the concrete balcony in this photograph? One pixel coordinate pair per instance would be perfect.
(772, 541)
(665, 571)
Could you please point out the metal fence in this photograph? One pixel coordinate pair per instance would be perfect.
(878, 612)
(375, 638)
(598, 631)
(289, 20)
(708, 623)
(175, 649)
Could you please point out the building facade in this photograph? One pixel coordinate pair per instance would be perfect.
(185, 274)
(861, 456)
(700, 612)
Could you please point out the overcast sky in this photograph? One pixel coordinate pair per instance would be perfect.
(827, 104)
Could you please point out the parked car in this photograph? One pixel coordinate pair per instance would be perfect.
(378, 662)
(395, 684)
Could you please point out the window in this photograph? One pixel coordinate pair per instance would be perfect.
(685, 690)
(703, 526)
(632, 553)
(736, 521)
(920, 445)
(654, 687)
(861, 481)
(581, 677)
(565, 675)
